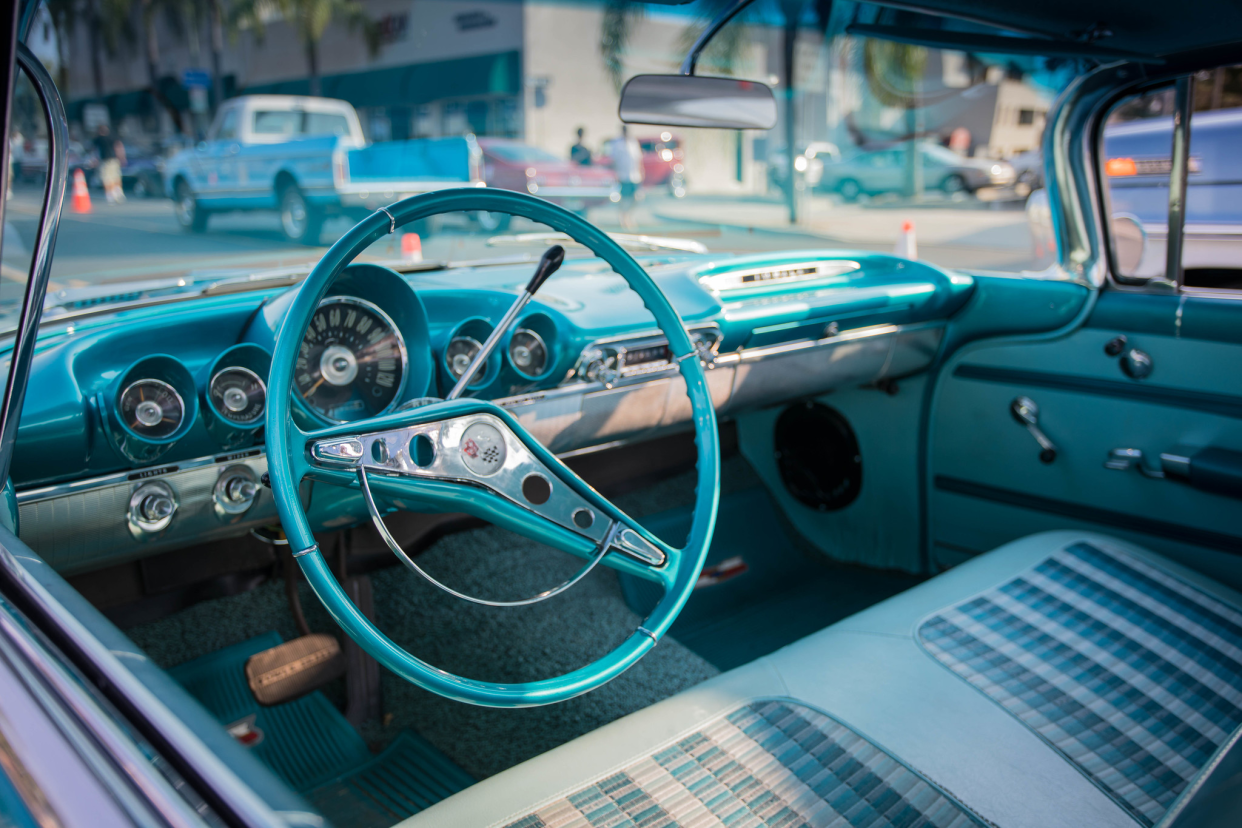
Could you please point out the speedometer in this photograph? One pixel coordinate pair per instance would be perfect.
(352, 361)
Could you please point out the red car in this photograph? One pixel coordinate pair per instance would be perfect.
(512, 165)
(663, 159)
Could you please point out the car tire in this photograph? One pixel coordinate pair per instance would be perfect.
(492, 222)
(300, 221)
(190, 215)
(849, 189)
(953, 184)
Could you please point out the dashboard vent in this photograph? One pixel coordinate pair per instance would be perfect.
(781, 274)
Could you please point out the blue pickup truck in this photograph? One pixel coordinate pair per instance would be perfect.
(307, 158)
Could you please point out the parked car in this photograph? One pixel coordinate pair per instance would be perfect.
(512, 165)
(808, 164)
(1137, 171)
(884, 171)
(664, 163)
(1028, 168)
(306, 158)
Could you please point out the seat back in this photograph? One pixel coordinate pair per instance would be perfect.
(1214, 800)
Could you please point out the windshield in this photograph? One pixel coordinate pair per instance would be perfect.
(189, 162)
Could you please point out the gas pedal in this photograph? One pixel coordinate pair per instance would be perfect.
(295, 668)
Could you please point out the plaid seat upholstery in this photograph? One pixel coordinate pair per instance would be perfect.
(1131, 673)
(767, 764)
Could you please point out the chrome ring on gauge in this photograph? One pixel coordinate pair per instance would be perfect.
(352, 362)
(238, 395)
(460, 353)
(528, 353)
(151, 408)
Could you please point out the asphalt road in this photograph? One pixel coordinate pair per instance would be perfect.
(141, 240)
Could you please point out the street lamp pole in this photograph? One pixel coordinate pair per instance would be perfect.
(792, 9)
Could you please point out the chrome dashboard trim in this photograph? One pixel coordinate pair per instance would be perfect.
(572, 389)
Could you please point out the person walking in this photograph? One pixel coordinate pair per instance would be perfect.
(578, 153)
(627, 163)
(111, 153)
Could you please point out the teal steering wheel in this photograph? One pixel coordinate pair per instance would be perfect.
(427, 459)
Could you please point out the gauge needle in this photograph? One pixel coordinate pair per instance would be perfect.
(306, 394)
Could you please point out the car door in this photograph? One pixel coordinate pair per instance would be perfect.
(216, 169)
(1138, 408)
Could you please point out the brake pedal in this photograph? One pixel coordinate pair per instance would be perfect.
(295, 668)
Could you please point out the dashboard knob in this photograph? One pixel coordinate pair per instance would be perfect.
(151, 508)
(235, 492)
(599, 366)
(156, 507)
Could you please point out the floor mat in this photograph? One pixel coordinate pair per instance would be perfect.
(774, 595)
(310, 745)
(408, 777)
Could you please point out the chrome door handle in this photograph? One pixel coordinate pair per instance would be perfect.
(1026, 412)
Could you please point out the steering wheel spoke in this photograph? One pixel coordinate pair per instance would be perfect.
(480, 461)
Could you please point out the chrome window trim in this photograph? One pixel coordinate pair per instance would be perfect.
(89, 728)
(244, 803)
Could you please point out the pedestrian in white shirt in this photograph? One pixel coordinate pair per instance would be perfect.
(627, 162)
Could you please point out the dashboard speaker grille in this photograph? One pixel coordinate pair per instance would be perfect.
(818, 457)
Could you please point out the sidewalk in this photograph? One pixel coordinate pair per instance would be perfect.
(851, 224)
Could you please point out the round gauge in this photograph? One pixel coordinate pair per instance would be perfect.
(352, 361)
(460, 353)
(238, 395)
(151, 408)
(528, 353)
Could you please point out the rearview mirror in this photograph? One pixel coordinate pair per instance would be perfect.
(693, 101)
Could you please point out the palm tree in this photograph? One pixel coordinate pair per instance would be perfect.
(619, 19)
(309, 19)
(895, 72)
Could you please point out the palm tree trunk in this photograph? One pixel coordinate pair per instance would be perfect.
(312, 62)
(791, 10)
(153, 61)
(217, 49)
(96, 25)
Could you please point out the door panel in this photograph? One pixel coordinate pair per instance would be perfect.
(988, 485)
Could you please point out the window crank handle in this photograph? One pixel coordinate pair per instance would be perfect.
(1026, 412)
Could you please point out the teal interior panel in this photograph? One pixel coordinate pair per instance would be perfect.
(881, 527)
(987, 485)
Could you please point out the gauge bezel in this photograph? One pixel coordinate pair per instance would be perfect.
(172, 435)
(238, 423)
(484, 369)
(405, 356)
(547, 354)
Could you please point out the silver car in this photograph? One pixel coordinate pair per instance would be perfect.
(884, 171)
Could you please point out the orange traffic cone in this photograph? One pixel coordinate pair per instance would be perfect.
(412, 247)
(81, 195)
(906, 247)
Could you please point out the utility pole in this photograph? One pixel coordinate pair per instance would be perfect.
(792, 9)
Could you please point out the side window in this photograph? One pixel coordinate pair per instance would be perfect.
(1137, 160)
(277, 122)
(228, 127)
(325, 123)
(1137, 165)
(1212, 245)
